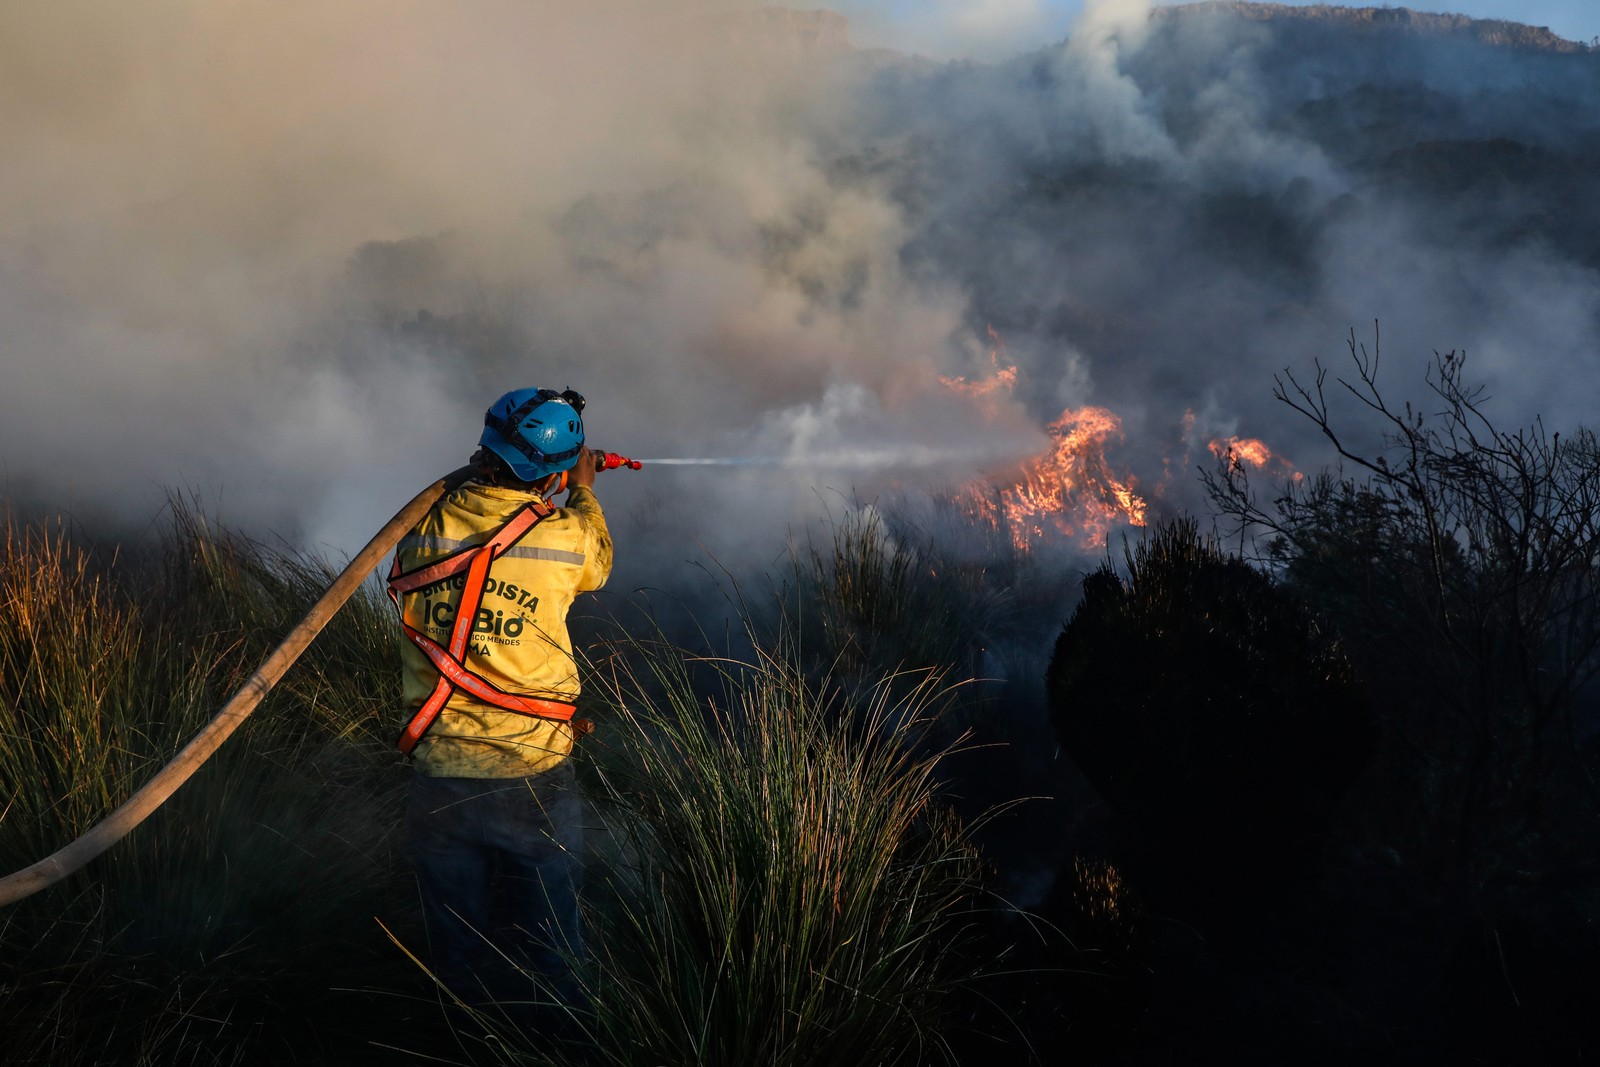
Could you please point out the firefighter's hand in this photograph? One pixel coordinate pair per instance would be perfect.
(583, 470)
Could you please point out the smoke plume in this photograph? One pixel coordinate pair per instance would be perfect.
(283, 255)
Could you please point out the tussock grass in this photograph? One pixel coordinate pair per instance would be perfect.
(250, 595)
(177, 944)
(785, 886)
(92, 690)
(872, 602)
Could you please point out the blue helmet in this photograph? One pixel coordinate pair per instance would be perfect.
(538, 432)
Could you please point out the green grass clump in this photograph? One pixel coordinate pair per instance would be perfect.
(870, 603)
(91, 690)
(783, 886)
(185, 939)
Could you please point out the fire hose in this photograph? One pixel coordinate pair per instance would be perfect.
(133, 811)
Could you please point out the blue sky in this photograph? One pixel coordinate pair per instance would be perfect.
(993, 28)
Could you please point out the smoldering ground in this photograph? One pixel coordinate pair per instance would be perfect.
(284, 255)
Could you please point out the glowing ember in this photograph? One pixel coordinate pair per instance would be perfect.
(1070, 489)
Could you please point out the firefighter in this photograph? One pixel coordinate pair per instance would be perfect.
(483, 584)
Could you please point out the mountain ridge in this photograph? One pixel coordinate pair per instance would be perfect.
(1499, 32)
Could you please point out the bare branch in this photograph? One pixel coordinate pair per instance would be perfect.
(1470, 552)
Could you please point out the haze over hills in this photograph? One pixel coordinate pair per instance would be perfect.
(772, 249)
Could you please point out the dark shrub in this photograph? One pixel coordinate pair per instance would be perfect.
(1205, 704)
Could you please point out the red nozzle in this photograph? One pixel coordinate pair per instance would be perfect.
(610, 461)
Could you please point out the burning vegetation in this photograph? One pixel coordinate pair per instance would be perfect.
(1073, 490)
(1070, 490)
(1250, 453)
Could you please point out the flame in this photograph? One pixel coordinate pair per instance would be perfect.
(987, 391)
(1240, 452)
(1069, 490)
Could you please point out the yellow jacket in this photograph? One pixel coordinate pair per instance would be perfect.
(524, 650)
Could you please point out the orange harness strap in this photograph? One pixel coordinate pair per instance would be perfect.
(450, 662)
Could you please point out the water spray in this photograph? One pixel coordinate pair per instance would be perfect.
(865, 458)
(717, 461)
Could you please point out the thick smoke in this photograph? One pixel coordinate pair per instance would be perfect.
(1175, 209)
(285, 254)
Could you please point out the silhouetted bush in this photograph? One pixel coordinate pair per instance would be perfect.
(1206, 705)
(1461, 564)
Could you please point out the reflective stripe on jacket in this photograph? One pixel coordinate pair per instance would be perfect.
(519, 641)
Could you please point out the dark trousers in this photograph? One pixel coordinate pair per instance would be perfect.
(498, 861)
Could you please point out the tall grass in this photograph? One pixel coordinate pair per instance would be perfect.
(174, 947)
(775, 879)
(92, 690)
(782, 885)
(870, 602)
